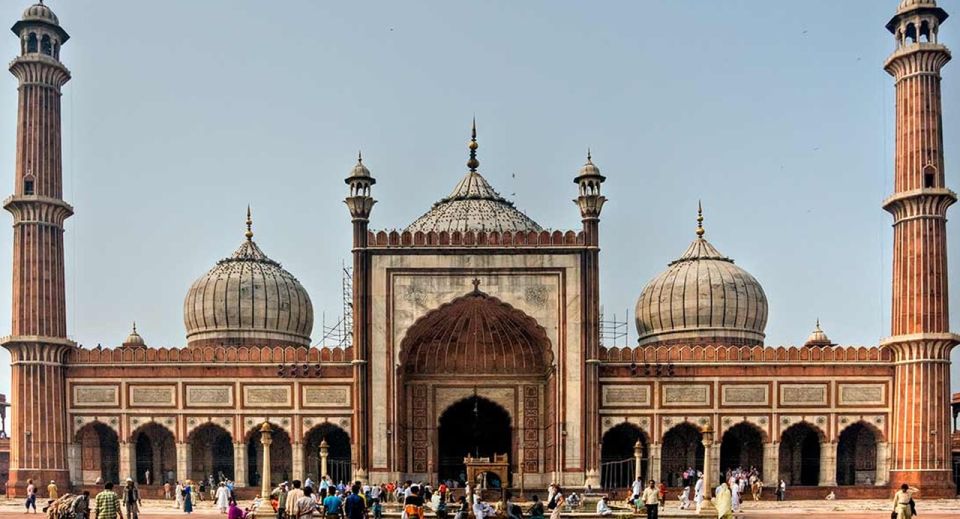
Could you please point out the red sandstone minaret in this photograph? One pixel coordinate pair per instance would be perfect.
(920, 335)
(360, 203)
(38, 341)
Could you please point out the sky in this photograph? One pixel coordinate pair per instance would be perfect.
(777, 115)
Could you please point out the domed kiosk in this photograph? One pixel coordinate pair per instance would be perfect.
(702, 297)
(248, 299)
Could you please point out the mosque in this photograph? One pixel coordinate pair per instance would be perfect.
(476, 342)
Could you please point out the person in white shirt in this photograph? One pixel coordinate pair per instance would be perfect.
(685, 498)
(481, 509)
(698, 493)
(651, 500)
(603, 508)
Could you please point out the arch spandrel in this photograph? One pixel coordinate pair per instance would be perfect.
(476, 334)
(759, 423)
(875, 423)
(223, 422)
(138, 423)
(110, 422)
(447, 397)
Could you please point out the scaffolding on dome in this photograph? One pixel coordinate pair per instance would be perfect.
(614, 333)
(340, 334)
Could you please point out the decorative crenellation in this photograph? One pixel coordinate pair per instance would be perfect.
(738, 354)
(244, 354)
(475, 239)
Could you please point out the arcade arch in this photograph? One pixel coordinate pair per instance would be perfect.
(617, 461)
(742, 447)
(154, 452)
(682, 448)
(857, 455)
(211, 452)
(99, 453)
(800, 455)
(281, 456)
(339, 464)
(475, 427)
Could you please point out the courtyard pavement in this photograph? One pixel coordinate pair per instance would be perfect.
(843, 509)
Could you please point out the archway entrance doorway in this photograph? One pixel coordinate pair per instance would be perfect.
(156, 454)
(800, 455)
(742, 448)
(99, 453)
(617, 461)
(473, 427)
(857, 456)
(682, 449)
(281, 457)
(339, 465)
(211, 453)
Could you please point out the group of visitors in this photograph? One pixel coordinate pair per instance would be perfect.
(295, 500)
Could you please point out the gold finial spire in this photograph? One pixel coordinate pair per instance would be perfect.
(700, 230)
(249, 233)
(473, 163)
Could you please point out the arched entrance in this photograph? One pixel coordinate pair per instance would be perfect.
(211, 452)
(617, 461)
(800, 455)
(682, 449)
(99, 453)
(473, 427)
(339, 462)
(281, 457)
(857, 455)
(474, 351)
(155, 451)
(742, 447)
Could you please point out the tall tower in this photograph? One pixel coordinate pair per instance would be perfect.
(38, 342)
(360, 203)
(590, 202)
(920, 335)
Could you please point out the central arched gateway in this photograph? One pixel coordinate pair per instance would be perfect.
(477, 376)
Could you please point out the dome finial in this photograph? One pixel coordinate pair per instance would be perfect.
(359, 156)
(249, 233)
(700, 230)
(134, 327)
(473, 163)
(589, 156)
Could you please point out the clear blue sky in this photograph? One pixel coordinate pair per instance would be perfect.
(777, 114)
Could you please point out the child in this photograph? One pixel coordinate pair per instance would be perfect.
(377, 509)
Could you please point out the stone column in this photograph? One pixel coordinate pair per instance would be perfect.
(74, 464)
(708, 466)
(239, 465)
(265, 440)
(637, 459)
(771, 463)
(128, 461)
(828, 464)
(883, 466)
(654, 462)
(183, 461)
(297, 454)
(324, 453)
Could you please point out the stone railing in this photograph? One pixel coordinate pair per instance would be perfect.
(266, 354)
(719, 353)
(474, 239)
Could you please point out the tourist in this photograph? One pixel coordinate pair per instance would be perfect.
(131, 500)
(355, 507)
(290, 509)
(376, 508)
(52, 493)
(187, 497)
(735, 496)
(552, 497)
(464, 511)
(278, 499)
(441, 507)
(603, 509)
(651, 499)
(222, 497)
(831, 496)
(698, 493)
(31, 496)
(307, 504)
(106, 504)
(81, 506)
(332, 505)
(756, 487)
(178, 495)
(558, 502)
(662, 494)
(413, 504)
(308, 483)
(724, 502)
(234, 511)
(166, 491)
(782, 491)
(573, 501)
(481, 510)
(903, 504)
(685, 498)
(636, 489)
(536, 509)
(146, 477)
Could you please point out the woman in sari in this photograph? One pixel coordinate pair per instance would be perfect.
(188, 497)
(724, 502)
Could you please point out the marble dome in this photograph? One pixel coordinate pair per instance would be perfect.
(41, 13)
(248, 299)
(702, 297)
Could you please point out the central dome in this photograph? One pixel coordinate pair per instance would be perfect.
(247, 299)
(702, 296)
(474, 206)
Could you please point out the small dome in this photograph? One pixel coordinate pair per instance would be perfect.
(589, 169)
(360, 171)
(906, 5)
(134, 339)
(702, 296)
(248, 299)
(40, 13)
(818, 337)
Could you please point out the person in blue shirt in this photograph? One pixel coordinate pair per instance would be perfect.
(333, 506)
(355, 507)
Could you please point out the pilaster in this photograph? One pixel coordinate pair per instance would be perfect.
(128, 461)
(297, 455)
(240, 465)
(771, 462)
(655, 461)
(828, 464)
(183, 461)
(74, 463)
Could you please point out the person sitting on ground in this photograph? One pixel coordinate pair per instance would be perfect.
(603, 508)
(831, 496)
(536, 509)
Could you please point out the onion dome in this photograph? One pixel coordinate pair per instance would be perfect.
(474, 206)
(702, 296)
(248, 299)
(40, 13)
(360, 171)
(818, 337)
(134, 340)
(906, 5)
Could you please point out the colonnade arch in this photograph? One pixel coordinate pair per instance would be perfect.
(475, 427)
(617, 456)
(742, 447)
(799, 456)
(857, 454)
(681, 449)
(281, 456)
(339, 460)
(154, 452)
(99, 453)
(211, 452)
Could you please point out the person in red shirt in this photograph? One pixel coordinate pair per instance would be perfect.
(662, 492)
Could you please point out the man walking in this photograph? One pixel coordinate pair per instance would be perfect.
(107, 506)
(651, 500)
(131, 500)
